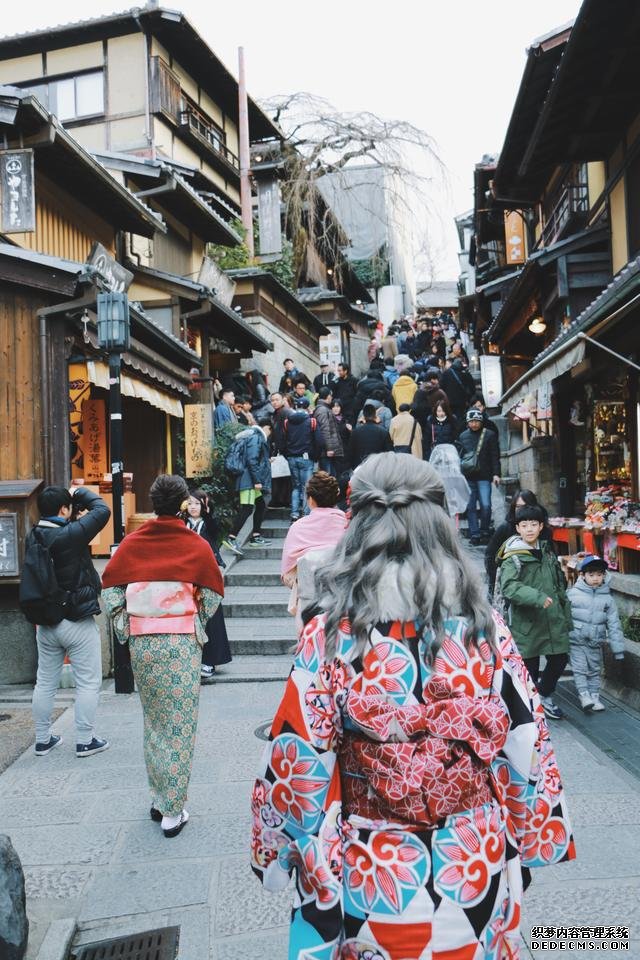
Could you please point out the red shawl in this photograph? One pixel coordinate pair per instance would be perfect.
(164, 549)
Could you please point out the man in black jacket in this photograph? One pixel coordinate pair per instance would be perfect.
(301, 450)
(67, 525)
(344, 390)
(368, 438)
(323, 379)
(459, 386)
(477, 439)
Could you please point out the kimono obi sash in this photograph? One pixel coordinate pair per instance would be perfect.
(163, 606)
(421, 762)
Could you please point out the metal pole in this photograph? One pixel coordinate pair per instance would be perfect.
(122, 672)
(245, 157)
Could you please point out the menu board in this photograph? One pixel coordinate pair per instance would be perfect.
(9, 545)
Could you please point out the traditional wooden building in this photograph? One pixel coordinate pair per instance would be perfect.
(348, 324)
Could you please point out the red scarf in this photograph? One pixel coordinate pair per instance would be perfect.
(164, 549)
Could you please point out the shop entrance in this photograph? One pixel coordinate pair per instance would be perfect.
(144, 447)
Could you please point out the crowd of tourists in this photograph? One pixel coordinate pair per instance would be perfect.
(410, 772)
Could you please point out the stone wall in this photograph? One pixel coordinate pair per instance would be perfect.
(532, 466)
(271, 363)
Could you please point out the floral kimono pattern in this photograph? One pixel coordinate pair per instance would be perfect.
(407, 792)
(166, 667)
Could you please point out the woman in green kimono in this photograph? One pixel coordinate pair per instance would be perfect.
(161, 587)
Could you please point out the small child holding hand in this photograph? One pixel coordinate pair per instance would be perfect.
(595, 622)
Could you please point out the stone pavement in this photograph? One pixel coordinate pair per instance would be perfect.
(91, 853)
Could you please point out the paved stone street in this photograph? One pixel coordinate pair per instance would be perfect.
(92, 855)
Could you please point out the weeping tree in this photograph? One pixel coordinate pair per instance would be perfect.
(322, 145)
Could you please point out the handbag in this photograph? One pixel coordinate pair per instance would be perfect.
(280, 467)
(470, 460)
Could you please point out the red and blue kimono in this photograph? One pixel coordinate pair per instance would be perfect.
(407, 791)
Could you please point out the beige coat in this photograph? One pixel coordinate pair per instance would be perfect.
(400, 433)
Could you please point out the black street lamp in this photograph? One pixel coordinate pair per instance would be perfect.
(113, 336)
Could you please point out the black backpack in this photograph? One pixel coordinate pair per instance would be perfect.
(42, 600)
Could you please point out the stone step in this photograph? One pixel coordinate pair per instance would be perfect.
(253, 601)
(254, 668)
(263, 636)
(275, 529)
(278, 513)
(271, 552)
(258, 573)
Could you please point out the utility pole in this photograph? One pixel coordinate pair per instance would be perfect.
(245, 156)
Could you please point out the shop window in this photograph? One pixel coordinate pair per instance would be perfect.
(611, 447)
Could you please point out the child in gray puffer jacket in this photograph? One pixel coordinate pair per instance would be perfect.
(595, 622)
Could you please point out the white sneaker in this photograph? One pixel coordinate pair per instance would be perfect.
(597, 705)
(586, 701)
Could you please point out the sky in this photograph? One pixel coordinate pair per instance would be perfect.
(450, 67)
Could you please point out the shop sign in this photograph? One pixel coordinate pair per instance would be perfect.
(514, 236)
(544, 402)
(94, 440)
(9, 545)
(113, 275)
(198, 439)
(269, 225)
(331, 350)
(215, 279)
(491, 378)
(17, 186)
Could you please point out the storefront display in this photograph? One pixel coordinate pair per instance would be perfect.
(612, 451)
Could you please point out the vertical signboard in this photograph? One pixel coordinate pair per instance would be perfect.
(269, 217)
(17, 190)
(197, 439)
(94, 440)
(491, 378)
(514, 236)
(9, 545)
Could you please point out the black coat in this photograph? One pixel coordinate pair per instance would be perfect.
(345, 391)
(367, 439)
(323, 380)
(459, 386)
(368, 386)
(439, 431)
(69, 548)
(489, 459)
(216, 650)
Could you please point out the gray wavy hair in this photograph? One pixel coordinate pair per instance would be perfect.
(400, 558)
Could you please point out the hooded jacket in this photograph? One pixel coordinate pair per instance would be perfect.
(369, 384)
(329, 429)
(527, 578)
(404, 390)
(595, 616)
(459, 385)
(300, 435)
(257, 461)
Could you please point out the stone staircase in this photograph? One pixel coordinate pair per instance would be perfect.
(255, 603)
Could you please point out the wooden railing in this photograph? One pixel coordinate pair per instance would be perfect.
(572, 204)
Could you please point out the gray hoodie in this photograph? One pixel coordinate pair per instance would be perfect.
(595, 616)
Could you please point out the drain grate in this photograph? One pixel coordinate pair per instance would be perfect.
(161, 944)
(5, 716)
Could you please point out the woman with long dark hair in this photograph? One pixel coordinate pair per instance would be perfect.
(410, 775)
(442, 427)
(201, 520)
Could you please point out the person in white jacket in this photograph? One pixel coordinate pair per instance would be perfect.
(595, 622)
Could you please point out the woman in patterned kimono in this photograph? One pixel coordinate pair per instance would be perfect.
(410, 777)
(162, 585)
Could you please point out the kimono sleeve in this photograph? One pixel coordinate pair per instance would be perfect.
(114, 599)
(299, 784)
(525, 773)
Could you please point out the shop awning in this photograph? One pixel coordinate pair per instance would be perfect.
(569, 355)
(98, 374)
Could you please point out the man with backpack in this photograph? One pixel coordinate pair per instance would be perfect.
(301, 450)
(59, 593)
(249, 462)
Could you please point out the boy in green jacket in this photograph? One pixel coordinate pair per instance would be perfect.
(534, 586)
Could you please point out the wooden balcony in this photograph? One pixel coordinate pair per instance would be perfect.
(569, 213)
(197, 129)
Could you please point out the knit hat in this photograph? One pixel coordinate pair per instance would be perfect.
(474, 414)
(592, 562)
